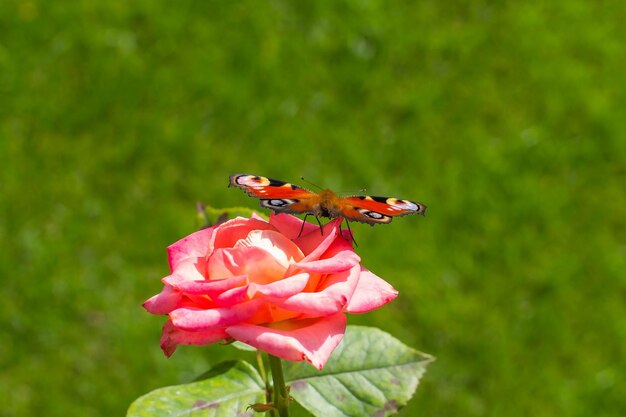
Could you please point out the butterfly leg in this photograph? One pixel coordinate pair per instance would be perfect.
(303, 221)
(320, 223)
(349, 230)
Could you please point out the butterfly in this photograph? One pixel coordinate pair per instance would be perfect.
(283, 197)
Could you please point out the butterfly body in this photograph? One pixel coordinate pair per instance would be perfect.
(284, 197)
(323, 204)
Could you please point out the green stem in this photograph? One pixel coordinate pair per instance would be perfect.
(268, 389)
(281, 398)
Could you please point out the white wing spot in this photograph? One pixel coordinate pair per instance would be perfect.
(252, 181)
(402, 204)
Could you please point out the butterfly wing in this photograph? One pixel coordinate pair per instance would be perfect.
(280, 196)
(283, 197)
(378, 210)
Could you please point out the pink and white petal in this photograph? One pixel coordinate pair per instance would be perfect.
(187, 271)
(311, 304)
(164, 302)
(283, 288)
(290, 226)
(332, 297)
(347, 235)
(270, 313)
(277, 314)
(197, 320)
(196, 245)
(344, 282)
(314, 281)
(258, 264)
(173, 337)
(228, 233)
(371, 293)
(338, 256)
(315, 243)
(233, 296)
(337, 247)
(219, 265)
(340, 262)
(198, 302)
(211, 288)
(277, 244)
(256, 216)
(312, 340)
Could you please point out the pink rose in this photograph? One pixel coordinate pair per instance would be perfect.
(260, 283)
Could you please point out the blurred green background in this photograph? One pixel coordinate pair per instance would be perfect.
(507, 119)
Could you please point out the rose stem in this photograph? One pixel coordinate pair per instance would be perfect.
(281, 400)
(268, 390)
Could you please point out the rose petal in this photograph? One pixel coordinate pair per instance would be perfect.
(187, 271)
(290, 226)
(282, 288)
(332, 297)
(211, 288)
(315, 243)
(281, 248)
(196, 320)
(198, 302)
(312, 340)
(269, 313)
(164, 302)
(258, 264)
(193, 246)
(338, 256)
(371, 292)
(173, 336)
(256, 216)
(228, 233)
(233, 296)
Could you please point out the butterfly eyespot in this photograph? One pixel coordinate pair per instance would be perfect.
(277, 202)
(252, 181)
(371, 214)
(398, 204)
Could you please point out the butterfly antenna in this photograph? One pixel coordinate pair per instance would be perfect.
(362, 190)
(310, 183)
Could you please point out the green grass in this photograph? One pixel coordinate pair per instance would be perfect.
(507, 119)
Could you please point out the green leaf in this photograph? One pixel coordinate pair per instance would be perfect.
(369, 374)
(242, 346)
(215, 215)
(226, 391)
